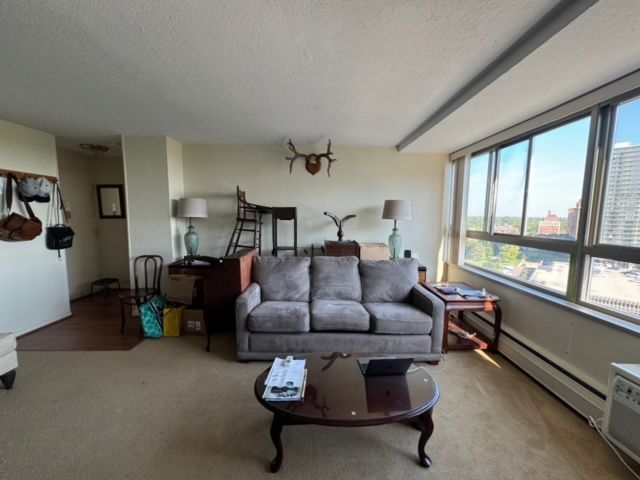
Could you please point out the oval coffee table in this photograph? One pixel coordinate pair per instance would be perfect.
(339, 395)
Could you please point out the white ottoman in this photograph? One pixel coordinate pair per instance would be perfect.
(8, 359)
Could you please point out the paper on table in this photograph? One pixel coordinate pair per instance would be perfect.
(279, 370)
(285, 381)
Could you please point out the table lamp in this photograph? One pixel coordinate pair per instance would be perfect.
(192, 208)
(396, 210)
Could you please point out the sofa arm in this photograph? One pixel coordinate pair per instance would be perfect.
(430, 304)
(245, 303)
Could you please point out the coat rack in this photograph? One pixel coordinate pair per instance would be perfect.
(20, 175)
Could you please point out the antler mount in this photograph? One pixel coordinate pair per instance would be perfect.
(312, 161)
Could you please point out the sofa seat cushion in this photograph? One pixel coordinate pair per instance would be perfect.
(7, 343)
(335, 278)
(339, 315)
(398, 318)
(284, 279)
(388, 280)
(279, 317)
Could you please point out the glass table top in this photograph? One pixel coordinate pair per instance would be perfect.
(337, 393)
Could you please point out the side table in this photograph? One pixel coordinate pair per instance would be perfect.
(460, 304)
(222, 283)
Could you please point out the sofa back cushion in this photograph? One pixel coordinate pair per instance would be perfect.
(335, 278)
(388, 280)
(283, 279)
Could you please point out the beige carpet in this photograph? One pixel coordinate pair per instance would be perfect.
(169, 410)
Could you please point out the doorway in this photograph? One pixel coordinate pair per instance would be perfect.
(92, 182)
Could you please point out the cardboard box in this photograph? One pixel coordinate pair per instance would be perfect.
(182, 288)
(374, 251)
(193, 322)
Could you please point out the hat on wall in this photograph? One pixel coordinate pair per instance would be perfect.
(35, 189)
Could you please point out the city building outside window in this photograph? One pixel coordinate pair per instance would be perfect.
(538, 180)
(526, 199)
(614, 283)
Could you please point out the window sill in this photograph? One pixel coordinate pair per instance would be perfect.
(589, 313)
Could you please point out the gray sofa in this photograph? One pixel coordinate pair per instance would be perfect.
(337, 304)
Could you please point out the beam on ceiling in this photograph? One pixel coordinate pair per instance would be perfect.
(551, 23)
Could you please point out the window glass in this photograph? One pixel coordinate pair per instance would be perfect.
(555, 181)
(477, 193)
(512, 171)
(615, 285)
(621, 210)
(539, 267)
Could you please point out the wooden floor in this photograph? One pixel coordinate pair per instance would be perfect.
(94, 325)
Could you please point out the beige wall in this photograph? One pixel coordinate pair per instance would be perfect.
(147, 197)
(100, 245)
(33, 282)
(78, 188)
(176, 191)
(361, 180)
(112, 232)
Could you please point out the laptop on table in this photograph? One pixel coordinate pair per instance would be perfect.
(381, 366)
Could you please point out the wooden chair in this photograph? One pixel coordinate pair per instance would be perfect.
(149, 268)
(248, 230)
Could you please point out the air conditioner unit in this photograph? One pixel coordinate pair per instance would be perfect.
(621, 422)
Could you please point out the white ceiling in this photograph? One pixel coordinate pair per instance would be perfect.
(599, 46)
(361, 72)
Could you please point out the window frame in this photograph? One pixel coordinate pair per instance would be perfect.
(496, 183)
(521, 239)
(593, 247)
(488, 196)
(587, 244)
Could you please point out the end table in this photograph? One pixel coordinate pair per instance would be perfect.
(458, 303)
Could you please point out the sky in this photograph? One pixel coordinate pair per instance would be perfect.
(557, 168)
(628, 123)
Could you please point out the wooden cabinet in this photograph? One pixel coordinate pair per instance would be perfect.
(221, 284)
(334, 248)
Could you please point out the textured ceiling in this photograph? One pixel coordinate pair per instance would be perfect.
(362, 72)
(599, 46)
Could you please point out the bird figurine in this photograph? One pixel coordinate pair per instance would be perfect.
(339, 222)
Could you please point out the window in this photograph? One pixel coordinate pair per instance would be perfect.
(614, 285)
(527, 198)
(544, 268)
(477, 193)
(621, 210)
(539, 178)
(512, 172)
(555, 181)
(612, 275)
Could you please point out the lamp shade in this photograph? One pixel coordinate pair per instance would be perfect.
(397, 210)
(192, 208)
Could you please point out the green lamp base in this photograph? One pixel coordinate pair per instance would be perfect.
(191, 241)
(395, 244)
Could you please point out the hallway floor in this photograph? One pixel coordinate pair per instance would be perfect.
(93, 325)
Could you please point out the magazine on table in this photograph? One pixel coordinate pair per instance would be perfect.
(286, 380)
(469, 293)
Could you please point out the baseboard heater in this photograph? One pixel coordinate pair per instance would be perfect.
(584, 399)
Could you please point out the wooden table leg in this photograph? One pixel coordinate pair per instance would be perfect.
(445, 338)
(425, 424)
(497, 322)
(276, 430)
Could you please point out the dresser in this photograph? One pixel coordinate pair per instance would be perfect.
(221, 283)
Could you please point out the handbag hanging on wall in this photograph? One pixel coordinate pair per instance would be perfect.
(59, 235)
(15, 227)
